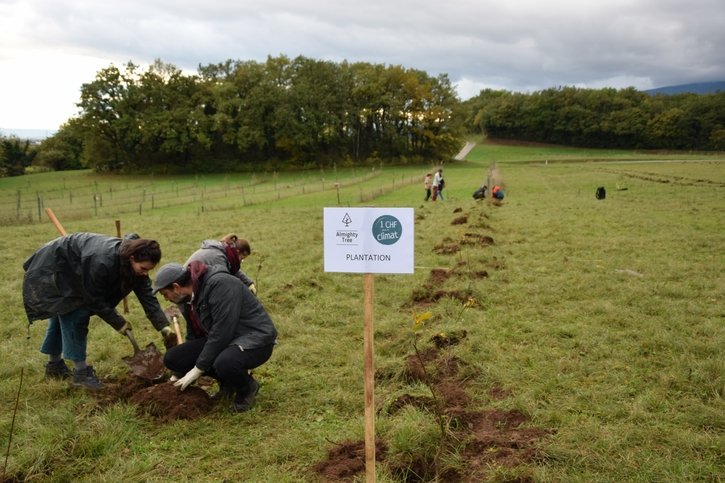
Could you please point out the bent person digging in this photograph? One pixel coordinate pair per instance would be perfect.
(230, 332)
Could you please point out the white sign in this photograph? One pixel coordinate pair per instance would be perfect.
(369, 240)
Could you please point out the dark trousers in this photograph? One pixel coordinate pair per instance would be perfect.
(230, 368)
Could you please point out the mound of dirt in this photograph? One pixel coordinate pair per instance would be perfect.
(163, 401)
(166, 402)
(476, 239)
(447, 248)
(347, 459)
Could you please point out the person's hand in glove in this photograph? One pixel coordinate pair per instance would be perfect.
(126, 327)
(190, 377)
(253, 289)
(169, 337)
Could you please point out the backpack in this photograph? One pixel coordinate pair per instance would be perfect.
(601, 193)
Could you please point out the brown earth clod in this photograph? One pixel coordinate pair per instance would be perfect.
(161, 401)
(347, 459)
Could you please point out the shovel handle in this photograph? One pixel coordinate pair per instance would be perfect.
(136, 348)
(56, 223)
(177, 329)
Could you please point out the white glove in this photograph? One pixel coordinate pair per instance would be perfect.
(253, 289)
(190, 377)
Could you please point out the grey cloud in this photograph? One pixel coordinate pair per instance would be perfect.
(524, 44)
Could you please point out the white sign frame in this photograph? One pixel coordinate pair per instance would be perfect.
(369, 240)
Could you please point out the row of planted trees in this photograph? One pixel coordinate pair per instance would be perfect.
(237, 115)
(605, 118)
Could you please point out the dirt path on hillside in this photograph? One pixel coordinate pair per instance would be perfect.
(464, 151)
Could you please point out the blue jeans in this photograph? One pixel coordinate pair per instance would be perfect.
(68, 334)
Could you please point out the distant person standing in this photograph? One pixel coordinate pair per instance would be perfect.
(437, 183)
(427, 184)
(441, 184)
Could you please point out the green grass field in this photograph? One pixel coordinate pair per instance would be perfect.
(601, 321)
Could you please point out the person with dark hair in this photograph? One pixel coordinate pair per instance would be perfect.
(230, 251)
(73, 277)
(231, 332)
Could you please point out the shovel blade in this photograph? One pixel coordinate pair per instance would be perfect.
(147, 363)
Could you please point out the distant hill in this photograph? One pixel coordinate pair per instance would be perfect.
(696, 88)
(31, 134)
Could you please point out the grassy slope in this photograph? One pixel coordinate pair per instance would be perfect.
(626, 369)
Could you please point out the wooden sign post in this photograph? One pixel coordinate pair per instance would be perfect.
(369, 375)
(368, 241)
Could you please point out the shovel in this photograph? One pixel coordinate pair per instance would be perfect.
(146, 364)
(173, 312)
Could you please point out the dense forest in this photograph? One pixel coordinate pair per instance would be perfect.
(250, 115)
(245, 115)
(602, 118)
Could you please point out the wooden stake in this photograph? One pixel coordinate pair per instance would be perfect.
(369, 375)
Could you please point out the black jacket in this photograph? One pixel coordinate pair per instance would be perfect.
(83, 270)
(230, 314)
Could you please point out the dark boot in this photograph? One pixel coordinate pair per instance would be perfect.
(87, 378)
(224, 392)
(57, 370)
(244, 400)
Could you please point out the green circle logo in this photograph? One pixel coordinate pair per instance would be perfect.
(387, 229)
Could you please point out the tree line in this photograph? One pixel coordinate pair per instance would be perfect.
(240, 115)
(601, 118)
(247, 115)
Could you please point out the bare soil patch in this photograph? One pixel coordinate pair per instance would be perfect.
(477, 239)
(484, 439)
(163, 401)
(447, 248)
(347, 459)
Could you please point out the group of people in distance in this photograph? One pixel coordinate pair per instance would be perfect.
(434, 186)
(496, 192)
(228, 334)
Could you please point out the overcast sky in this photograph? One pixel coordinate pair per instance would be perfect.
(48, 48)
